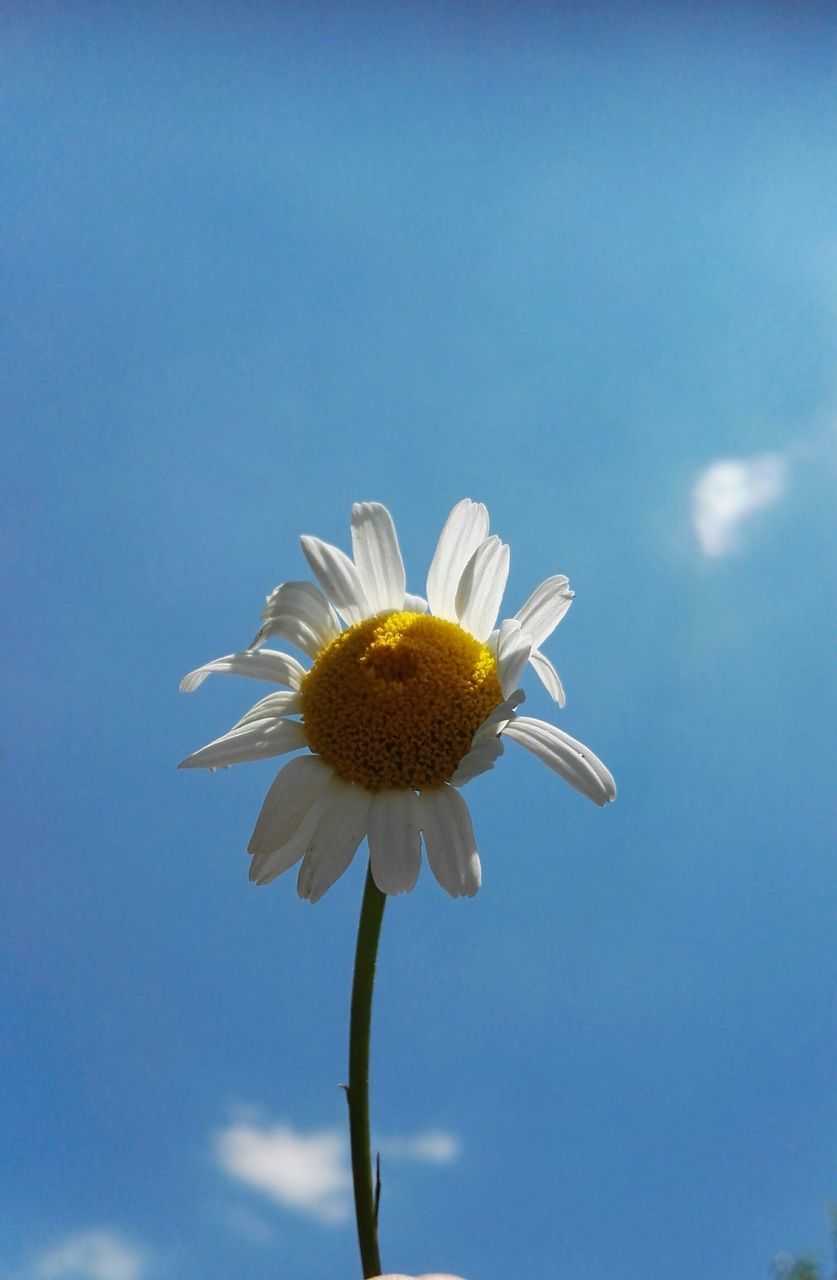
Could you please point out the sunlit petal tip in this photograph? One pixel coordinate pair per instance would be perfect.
(545, 608)
(480, 590)
(378, 556)
(465, 528)
(339, 578)
(394, 841)
(449, 841)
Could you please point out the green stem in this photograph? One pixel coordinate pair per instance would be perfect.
(366, 1209)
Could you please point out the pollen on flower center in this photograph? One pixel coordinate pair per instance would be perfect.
(395, 701)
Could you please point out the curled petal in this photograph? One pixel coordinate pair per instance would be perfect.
(497, 720)
(255, 741)
(300, 613)
(338, 578)
(481, 587)
(575, 763)
(483, 756)
(487, 746)
(548, 676)
(514, 646)
(463, 531)
(545, 608)
(276, 706)
(261, 664)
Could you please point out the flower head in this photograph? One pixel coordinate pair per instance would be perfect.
(406, 700)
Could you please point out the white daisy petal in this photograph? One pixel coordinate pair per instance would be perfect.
(449, 841)
(300, 613)
(549, 676)
(263, 664)
(335, 841)
(294, 789)
(415, 604)
(498, 719)
(256, 741)
(275, 706)
(267, 866)
(463, 531)
(483, 756)
(513, 649)
(576, 763)
(394, 841)
(545, 608)
(487, 746)
(481, 587)
(338, 578)
(377, 556)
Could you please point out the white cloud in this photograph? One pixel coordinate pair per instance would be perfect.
(435, 1147)
(91, 1255)
(728, 492)
(307, 1172)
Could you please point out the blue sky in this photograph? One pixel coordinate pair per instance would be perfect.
(581, 265)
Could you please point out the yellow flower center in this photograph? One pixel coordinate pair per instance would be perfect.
(395, 700)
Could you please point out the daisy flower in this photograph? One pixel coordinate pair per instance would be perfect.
(404, 702)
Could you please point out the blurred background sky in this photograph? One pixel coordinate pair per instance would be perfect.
(579, 263)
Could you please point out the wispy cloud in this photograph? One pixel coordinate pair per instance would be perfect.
(309, 1172)
(436, 1146)
(97, 1254)
(728, 493)
(304, 1171)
